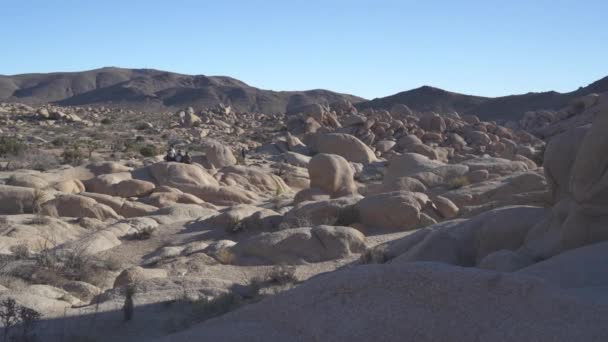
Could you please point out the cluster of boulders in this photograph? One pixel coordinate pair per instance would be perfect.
(522, 262)
(328, 186)
(547, 123)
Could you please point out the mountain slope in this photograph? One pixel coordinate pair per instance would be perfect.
(148, 89)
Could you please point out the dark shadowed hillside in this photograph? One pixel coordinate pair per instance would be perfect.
(147, 89)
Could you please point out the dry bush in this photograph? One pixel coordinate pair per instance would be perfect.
(56, 266)
(458, 182)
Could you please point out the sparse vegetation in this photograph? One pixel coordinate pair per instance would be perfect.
(33, 159)
(205, 308)
(11, 146)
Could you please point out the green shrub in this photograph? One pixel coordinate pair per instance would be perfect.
(149, 151)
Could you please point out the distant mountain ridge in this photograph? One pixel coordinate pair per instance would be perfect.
(510, 107)
(147, 89)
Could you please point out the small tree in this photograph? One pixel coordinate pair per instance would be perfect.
(129, 307)
(9, 315)
(91, 146)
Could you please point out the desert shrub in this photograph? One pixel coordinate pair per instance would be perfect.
(458, 182)
(40, 220)
(56, 266)
(20, 251)
(143, 234)
(142, 126)
(129, 307)
(90, 146)
(4, 223)
(377, 255)
(539, 156)
(149, 151)
(11, 146)
(113, 264)
(37, 200)
(12, 314)
(282, 275)
(106, 121)
(73, 155)
(60, 141)
(277, 279)
(578, 107)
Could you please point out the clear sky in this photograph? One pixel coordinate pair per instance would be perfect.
(370, 48)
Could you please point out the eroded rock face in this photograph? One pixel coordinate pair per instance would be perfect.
(255, 179)
(340, 305)
(398, 210)
(580, 214)
(218, 155)
(78, 206)
(344, 145)
(466, 242)
(338, 211)
(297, 245)
(332, 174)
(18, 200)
(137, 274)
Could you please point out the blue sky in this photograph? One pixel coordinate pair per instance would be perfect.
(364, 47)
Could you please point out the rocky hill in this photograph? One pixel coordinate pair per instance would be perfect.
(154, 90)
